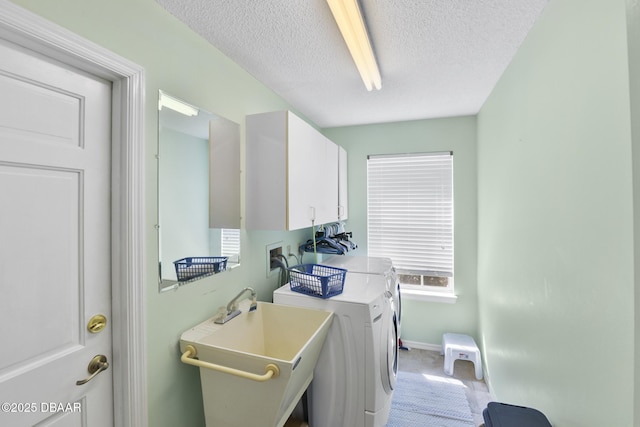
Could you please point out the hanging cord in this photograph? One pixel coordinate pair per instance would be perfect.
(282, 268)
(286, 261)
(298, 260)
(283, 276)
(284, 273)
(315, 249)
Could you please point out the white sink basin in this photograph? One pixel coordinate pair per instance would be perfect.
(288, 337)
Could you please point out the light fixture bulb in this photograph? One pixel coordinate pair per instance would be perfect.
(354, 32)
(177, 105)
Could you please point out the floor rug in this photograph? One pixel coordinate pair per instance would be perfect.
(424, 400)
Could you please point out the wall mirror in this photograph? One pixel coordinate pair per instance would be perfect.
(198, 192)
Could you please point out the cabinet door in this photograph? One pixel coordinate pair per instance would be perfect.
(224, 173)
(266, 171)
(304, 160)
(327, 192)
(343, 201)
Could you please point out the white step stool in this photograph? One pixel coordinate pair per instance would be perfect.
(458, 346)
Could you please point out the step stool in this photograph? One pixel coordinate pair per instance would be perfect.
(463, 347)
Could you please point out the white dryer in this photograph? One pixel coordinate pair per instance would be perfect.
(356, 372)
(378, 266)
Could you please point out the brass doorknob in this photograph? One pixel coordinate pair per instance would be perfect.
(98, 364)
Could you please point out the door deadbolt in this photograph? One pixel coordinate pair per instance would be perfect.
(98, 364)
(97, 323)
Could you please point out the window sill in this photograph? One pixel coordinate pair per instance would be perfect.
(429, 296)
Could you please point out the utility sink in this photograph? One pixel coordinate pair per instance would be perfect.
(255, 368)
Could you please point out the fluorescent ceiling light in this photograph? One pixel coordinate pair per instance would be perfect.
(349, 19)
(176, 105)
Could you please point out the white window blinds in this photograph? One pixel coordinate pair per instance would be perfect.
(231, 243)
(410, 211)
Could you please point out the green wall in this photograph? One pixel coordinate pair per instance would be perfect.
(555, 220)
(633, 41)
(424, 322)
(183, 64)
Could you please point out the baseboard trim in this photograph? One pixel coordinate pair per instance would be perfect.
(421, 345)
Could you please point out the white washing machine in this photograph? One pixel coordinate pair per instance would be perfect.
(356, 372)
(378, 266)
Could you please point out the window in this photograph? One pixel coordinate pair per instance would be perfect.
(410, 217)
(231, 245)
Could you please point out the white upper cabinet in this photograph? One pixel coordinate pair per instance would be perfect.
(292, 173)
(343, 201)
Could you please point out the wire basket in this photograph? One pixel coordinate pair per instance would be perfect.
(317, 280)
(191, 268)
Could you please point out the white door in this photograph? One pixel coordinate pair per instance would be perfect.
(55, 261)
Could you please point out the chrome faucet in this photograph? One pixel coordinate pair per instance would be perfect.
(231, 311)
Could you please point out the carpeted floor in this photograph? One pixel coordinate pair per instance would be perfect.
(458, 397)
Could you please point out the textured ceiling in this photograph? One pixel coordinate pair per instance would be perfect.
(437, 58)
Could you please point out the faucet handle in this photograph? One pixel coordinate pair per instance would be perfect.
(220, 314)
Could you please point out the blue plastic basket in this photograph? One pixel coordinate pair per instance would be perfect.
(195, 267)
(317, 280)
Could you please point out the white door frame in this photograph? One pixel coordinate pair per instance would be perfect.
(24, 28)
